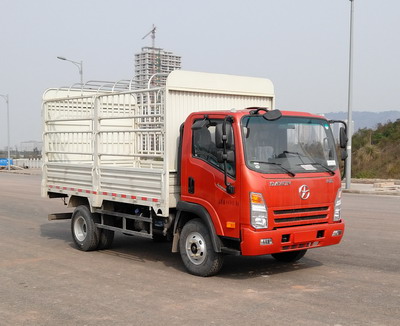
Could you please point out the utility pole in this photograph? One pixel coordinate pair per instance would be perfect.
(350, 101)
(76, 63)
(6, 98)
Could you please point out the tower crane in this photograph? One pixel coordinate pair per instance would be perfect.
(153, 36)
(153, 65)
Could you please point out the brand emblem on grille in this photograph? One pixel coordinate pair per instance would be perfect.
(304, 192)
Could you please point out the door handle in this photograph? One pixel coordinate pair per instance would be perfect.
(191, 185)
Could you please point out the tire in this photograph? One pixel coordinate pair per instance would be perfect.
(106, 239)
(197, 251)
(85, 233)
(290, 256)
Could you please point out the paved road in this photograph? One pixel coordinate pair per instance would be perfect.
(44, 280)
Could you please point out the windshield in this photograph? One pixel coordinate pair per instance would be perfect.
(288, 145)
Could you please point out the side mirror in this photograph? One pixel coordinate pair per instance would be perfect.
(343, 137)
(326, 144)
(246, 132)
(220, 137)
(229, 157)
(343, 154)
(200, 124)
(272, 115)
(342, 142)
(225, 154)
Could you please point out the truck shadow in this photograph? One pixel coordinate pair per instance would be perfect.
(261, 266)
(125, 247)
(146, 250)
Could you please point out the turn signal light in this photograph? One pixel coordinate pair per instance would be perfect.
(230, 225)
(256, 198)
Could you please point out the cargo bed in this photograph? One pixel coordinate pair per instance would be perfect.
(116, 144)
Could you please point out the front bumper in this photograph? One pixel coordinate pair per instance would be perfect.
(289, 239)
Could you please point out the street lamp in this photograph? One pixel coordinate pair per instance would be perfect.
(78, 64)
(350, 101)
(8, 130)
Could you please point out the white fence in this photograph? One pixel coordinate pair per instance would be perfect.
(32, 163)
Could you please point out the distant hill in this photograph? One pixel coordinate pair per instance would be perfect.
(364, 119)
(376, 153)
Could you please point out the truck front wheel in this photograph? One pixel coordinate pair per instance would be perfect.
(85, 233)
(197, 251)
(290, 256)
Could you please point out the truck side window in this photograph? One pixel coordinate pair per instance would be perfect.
(204, 147)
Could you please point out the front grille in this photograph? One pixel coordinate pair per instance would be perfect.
(300, 218)
(300, 210)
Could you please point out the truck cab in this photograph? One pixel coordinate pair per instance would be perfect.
(267, 181)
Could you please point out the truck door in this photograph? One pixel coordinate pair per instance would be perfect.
(204, 175)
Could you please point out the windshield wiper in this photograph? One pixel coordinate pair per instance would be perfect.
(331, 172)
(283, 154)
(294, 153)
(299, 155)
(277, 164)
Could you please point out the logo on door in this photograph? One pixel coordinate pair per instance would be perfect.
(304, 192)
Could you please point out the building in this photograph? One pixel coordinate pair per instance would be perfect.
(154, 60)
(30, 146)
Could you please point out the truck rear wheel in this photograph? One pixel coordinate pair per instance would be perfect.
(290, 256)
(197, 251)
(85, 233)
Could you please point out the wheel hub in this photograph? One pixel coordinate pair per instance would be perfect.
(80, 228)
(196, 248)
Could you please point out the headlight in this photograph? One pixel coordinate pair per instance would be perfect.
(258, 211)
(338, 206)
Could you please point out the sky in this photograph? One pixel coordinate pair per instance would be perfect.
(301, 45)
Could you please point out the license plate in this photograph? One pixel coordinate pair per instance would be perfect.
(305, 236)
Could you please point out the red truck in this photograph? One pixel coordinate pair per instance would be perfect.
(206, 161)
